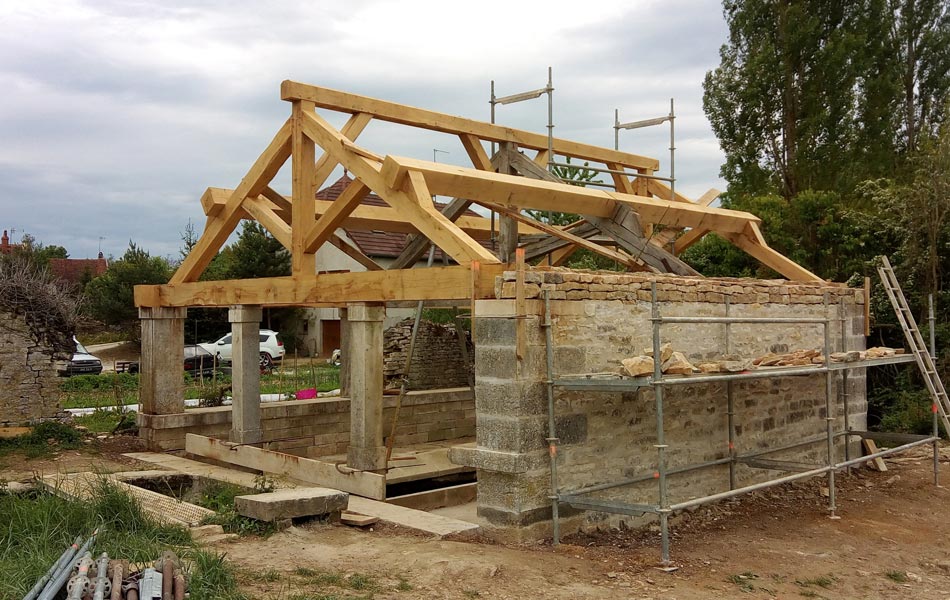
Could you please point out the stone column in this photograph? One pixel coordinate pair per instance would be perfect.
(245, 374)
(344, 353)
(162, 384)
(364, 361)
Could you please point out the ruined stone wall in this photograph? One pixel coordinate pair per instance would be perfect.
(29, 386)
(437, 361)
(321, 427)
(600, 319)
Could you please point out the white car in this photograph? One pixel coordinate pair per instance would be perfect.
(81, 363)
(272, 349)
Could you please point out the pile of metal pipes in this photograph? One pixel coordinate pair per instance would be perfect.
(85, 578)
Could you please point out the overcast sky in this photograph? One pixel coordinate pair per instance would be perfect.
(116, 115)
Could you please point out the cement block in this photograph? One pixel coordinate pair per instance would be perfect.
(291, 503)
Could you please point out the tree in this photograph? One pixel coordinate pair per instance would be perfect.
(110, 296)
(257, 254)
(36, 253)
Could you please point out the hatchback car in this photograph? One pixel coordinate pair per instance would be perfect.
(81, 363)
(199, 361)
(271, 348)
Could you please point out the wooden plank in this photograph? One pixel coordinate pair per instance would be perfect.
(473, 147)
(871, 448)
(665, 237)
(435, 121)
(413, 519)
(522, 192)
(549, 244)
(520, 312)
(281, 203)
(304, 192)
(366, 218)
(355, 253)
(221, 226)
(689, 238)
(416, 247)
(320, 231)
(541, 158)
(622, 183)
(355, 520)
(351, 129)
(661, 190)
(560, 256)
(751, 243)
(270, 220)
(338, 477)
(330, 289)
(570, 237)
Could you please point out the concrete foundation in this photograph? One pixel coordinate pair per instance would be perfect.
(364, 363)
(245, 374)
(292, 503)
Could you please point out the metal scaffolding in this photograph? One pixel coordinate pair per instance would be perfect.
(664, 506)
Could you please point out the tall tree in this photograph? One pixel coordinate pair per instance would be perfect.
(110, 295)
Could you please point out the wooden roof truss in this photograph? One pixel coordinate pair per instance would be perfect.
(635, 224)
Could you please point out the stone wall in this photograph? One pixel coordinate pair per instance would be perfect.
(600, 319)
(321, 427)
(437, 361)
(29, 386)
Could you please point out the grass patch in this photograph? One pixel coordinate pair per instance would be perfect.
(897, 576)
(212, 577)
(219, 497)
(822, 581)
(104, 421)
(403, 586)
(45, 439)
(744, 581)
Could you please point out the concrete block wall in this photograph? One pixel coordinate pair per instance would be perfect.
(606, 437)
(321, 427)
(29, 385)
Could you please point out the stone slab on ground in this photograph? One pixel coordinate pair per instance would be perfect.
(200, 469)
(355, 520)
(292, 503)
(411, 519)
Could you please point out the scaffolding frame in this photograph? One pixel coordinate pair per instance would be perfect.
(664, 508)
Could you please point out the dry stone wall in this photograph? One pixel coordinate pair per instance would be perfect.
(29, 386)
(437, 362)
(600, 319)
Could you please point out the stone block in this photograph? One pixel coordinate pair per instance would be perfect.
(292, 503)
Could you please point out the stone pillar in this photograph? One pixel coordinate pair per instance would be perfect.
(245, 374)
(344, 353)
(162, 383)
(364, 361)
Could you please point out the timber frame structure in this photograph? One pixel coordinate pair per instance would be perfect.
(637, 223)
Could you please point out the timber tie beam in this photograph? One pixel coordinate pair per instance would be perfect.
(636, 223)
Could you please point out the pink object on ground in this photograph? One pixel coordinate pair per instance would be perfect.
(307, 394)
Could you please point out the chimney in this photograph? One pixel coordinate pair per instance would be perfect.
(100, 257)
(5, 242)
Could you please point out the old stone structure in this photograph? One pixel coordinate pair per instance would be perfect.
(29, 387)
(600, 319)
(437, 361)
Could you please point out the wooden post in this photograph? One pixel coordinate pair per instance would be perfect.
(304, 191)
(245, 374)
(163, 342)
(365, 347)
(507, 227)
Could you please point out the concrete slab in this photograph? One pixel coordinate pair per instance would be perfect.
(293, 503)
(411, 519)
(200, 469)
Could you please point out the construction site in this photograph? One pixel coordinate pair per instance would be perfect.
(624, 426)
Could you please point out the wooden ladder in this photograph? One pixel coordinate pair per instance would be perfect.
(916, 342)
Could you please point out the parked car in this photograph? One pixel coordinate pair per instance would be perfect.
(81, 363)
(272, 349)
(197, 360)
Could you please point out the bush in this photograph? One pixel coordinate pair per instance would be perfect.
(109, 381)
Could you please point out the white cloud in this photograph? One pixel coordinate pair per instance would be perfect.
(116, 115)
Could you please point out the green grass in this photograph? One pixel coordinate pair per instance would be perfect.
(897, 576)
(219, 497)
(45, 439)
(744, 581)
(822, 581)
(105, 421)
(111, 389)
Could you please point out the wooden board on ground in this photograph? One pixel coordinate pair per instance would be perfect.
(338, 477)
(871, 448)
(409, 518)
(356, 520)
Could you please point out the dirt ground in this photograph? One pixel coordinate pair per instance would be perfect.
(890, 542)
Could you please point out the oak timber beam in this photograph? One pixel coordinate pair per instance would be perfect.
(304, 192)
(271, 221)
(689, 238)
(328, 289)
(665, 237)
(753, 244)
(411, 197)
(522, 192)
(220, 227)
(321, 230)
(416, 246)
(351, 129)
(363, 218)
(552, 243)
(353, 252)
(435, 121)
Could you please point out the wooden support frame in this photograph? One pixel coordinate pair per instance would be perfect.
(303, 224)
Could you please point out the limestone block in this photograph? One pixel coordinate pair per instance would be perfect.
(666, 351)
(735, 366)
(678, 365)
(292, 503)
(638, 366)
(709, 367)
